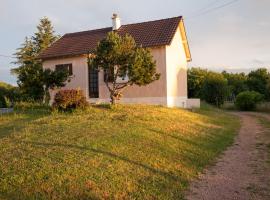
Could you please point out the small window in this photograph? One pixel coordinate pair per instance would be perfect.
(67, 67)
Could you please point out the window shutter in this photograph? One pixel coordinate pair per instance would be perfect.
(70, 69)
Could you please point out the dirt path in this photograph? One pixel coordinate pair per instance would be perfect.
(243, 171)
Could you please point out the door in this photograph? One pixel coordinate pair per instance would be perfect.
(93, 83)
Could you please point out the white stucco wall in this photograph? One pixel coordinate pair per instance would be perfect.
(176, 67)
(79, 79)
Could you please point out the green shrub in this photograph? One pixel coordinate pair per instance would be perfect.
(215, 89)
(8, 94)
(68, 100)
(3, 103)
(248, 100)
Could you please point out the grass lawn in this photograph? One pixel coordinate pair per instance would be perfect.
(129, 152)
(266, 123)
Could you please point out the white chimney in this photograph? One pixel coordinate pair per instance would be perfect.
(116, 22)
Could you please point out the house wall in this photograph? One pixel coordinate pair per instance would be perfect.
(176, 62)
(170, 90)
(154, 93)
(80, 72)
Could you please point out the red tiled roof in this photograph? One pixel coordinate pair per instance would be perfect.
(147, 34)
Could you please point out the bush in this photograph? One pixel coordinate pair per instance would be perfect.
(3, 103)
(248, 100)
(68, 100)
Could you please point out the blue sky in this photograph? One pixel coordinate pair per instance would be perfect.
(235, 37)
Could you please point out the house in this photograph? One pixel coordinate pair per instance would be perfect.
(167, 41)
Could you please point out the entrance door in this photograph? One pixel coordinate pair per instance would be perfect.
(93, 83)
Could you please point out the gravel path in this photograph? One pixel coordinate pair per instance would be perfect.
(243, 171)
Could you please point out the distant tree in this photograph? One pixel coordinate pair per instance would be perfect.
(236, 83)
(258, 81)
(196, 78)
(120, 58)
(215, 89)
(29, 71)
(8, 94)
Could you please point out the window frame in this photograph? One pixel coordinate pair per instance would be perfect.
(67, 66)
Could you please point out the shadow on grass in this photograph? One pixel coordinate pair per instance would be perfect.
(22, 195)
(18, 124)
(109, 154)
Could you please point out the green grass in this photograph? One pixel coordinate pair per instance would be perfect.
(261, 107)
(264, 107)
(128, 152)
(266, 123)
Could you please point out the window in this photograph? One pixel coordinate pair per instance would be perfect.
(93, 83)
(67, 67)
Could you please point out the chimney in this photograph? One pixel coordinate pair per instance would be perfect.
(116, 22)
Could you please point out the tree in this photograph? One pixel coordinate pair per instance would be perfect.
(258, 81)
(29, 71)
(248, 100)
(45, 35)
(53, 79)
(196, 78)
(8, 94)
(236, 83)
(215, 90)
(120, 58)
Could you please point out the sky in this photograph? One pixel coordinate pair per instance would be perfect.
(223, 34)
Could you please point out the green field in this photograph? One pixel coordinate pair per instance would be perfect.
(128, 152)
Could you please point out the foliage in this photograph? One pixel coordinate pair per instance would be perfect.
(69, 100)
(248, 100)
(52, 80)
(29, 71)
(236, 83)
(215, 89)
(259, 81)
(150, 151)
(8, 95)
(196, 78)
(119, 58)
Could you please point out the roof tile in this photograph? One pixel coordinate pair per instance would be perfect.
(147, 34)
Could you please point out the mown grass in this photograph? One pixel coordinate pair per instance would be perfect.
(128, 152)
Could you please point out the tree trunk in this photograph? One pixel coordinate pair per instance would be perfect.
(47, 97)
(112, 99)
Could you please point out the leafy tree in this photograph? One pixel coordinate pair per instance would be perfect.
(29, 71)
(215, 90)
(196, 78)
(236, 83)
(258, 81)
(120, 58)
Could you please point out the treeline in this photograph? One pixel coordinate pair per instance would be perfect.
(216, 88)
